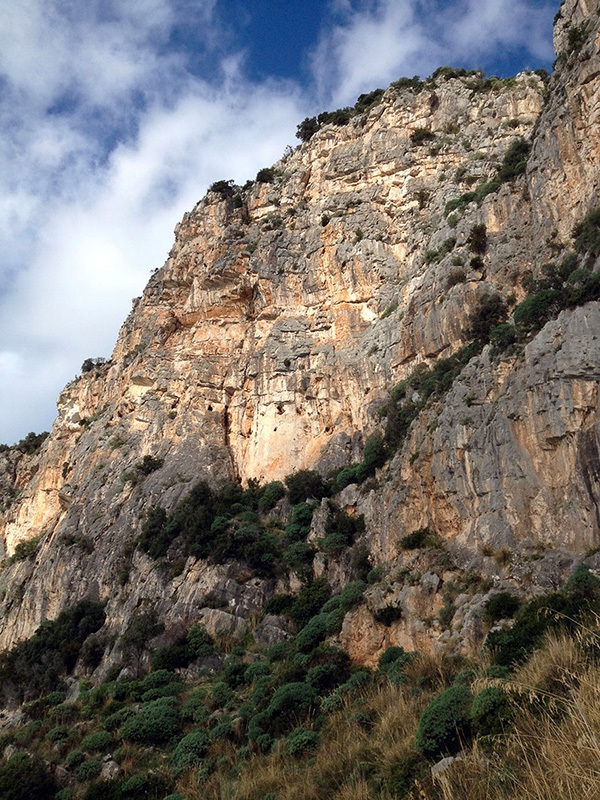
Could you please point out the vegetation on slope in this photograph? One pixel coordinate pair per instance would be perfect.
(298, 721)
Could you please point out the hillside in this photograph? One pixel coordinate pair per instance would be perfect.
(374, 366)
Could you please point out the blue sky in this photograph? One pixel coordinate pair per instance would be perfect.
(116, 115)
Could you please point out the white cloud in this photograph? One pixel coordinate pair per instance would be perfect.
(382, 40)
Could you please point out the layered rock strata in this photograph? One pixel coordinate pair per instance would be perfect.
(284, 315)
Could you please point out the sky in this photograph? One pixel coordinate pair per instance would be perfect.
(116, 116)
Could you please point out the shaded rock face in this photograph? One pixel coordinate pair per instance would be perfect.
(280, 321)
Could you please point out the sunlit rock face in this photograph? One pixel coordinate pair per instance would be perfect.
(286, 312)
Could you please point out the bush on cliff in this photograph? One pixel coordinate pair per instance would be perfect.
(37, 665)
(444, 726)
(25, 777)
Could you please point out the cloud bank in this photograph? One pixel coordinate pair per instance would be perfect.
(376, 42)
(115, 118)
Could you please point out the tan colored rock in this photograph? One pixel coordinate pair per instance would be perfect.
(277, 327)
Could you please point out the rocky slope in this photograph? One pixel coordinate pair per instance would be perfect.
(270, 340)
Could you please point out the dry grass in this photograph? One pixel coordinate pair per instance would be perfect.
(553, 751)
(348, 754)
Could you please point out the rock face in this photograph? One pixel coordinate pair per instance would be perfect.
(286, 312)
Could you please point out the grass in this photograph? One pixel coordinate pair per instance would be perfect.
(548, 749)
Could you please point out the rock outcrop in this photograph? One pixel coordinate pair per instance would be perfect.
(286, 312)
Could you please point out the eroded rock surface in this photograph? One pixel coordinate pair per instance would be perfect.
(277, 327)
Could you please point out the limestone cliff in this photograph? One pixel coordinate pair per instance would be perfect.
(285, 313)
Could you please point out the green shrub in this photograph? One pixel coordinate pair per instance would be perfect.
(74, 758)
(221, 694)
(155, 723)
(55, 698)
(309, 600)
(345, 477)
(262, 691)
(26, 549)
(324, 677)
(332, 703)
(312, 633)
(59, 733)
(305, 485)
(477, 239)
(172, 689)
(341, 530)
(576, 37)
(88, 770)
(290, 701)
(548, 612)
(223, 187)
(272, 493)
(279, 651)
(444, 725)
(222, 730)
(414, 84)
(150, 786)
(421, 136)
(101, 790)
(491, 712)
(92, 651)
(489, 312)
(199, 641)
(388, 614)
(402, 409)
(96, 742)
(360, 679)
(583, 583)
(340, 116)
(351, 595)
(234, 672)
(143, 627)
(155, 539)
(422, 537)
(392, 663)
(502, 336)
(148, 464)
(158, 678)
(447, 73)
(299, 557)
(367, 101)
(115, 720)
(300, 520)
(190, 750)
(25, 777)
(496, 671)
(374, 455)
(455, 277)
(265, 175)
(256, 670)
(335, 620)
(307, 129)
(32, 442)
(172, 656)
(279, 604)
(587, 234)
(533, 313)
(195, 708)
(446, 613)
(514, 162)
(301, 741)
(503, 605)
